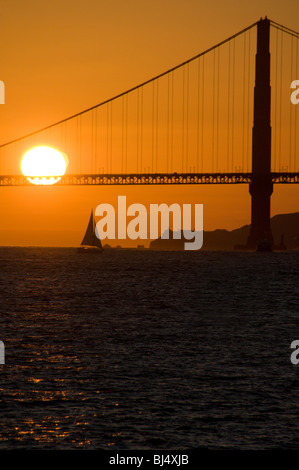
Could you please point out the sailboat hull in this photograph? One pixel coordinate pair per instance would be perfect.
(90, 250)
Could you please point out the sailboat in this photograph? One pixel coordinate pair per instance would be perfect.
(91, 243)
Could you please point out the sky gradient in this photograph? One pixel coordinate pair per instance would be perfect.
(60, 57)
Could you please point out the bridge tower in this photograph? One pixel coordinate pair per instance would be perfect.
(261, 186)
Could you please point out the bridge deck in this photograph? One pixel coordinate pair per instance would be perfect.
(152, 179)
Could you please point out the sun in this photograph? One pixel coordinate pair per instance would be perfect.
(44, 165)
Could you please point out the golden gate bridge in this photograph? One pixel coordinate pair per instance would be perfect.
(222, 117)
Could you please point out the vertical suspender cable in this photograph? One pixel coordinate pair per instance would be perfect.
(233, 103)
(198, 113)
(187, 119)
(126, 140)
(137, 147)
(228, 107)
(167, 134)
(202, 111)
(107, 140)
(296, 107)
(291, 109)
(157, 121)
(280, 99)
(80, 137)
(96, 142)
(172, 112)
(65, 138)
(122, 132)
(141, 130)
(77, 146)
(183, 121)
(295, 124)
(244, 74)
(92, 140)
(275, 103)
(111, 136)
(248, 100)
(213, 110)
(153, 126)
(217, 111)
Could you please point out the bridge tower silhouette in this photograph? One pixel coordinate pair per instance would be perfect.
(261, 186)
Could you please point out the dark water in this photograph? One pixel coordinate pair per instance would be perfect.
(148, 350)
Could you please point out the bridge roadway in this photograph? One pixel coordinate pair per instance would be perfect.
(153, 179)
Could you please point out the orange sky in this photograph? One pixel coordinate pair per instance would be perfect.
(60, 57)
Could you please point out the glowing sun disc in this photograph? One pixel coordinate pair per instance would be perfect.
(43, 165)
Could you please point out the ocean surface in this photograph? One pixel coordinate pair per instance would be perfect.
(148, 350)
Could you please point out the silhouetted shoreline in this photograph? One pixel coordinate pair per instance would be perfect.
(282, 225)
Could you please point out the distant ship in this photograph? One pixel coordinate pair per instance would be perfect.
(91, 243)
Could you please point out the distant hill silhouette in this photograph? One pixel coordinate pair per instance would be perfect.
(286, 225)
